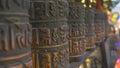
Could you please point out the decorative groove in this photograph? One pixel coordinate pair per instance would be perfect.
(15, 57)
(60, 45)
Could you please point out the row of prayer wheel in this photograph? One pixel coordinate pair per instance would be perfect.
(50, 35)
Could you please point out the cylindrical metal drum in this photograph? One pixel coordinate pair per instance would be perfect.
(107, 26)
(76, 30)
(103, 25)
(100, 26)
(15, 34)
(50, 31)
(90, 27)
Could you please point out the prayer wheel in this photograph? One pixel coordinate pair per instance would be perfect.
(106, 24)
(50, 31)
(103, 27)
(15, 34)
(98, 26)
(76, 30)
(89, 26)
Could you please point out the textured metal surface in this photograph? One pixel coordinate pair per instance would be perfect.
(90, 28)
(107, 26)
(76, 30)
(50, 32)
(99, 26)
(15, 34)
(104, 28)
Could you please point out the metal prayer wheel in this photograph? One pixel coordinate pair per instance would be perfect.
(89, 25)
(15, 34)
(106, 24)
(98, 26)
(103, 28)
(76, 30)
(50, 45)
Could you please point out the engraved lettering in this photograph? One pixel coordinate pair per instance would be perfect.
(46, 38)
(55, 59)
(75, 47)
(81, 46)
(21, 40)
(12, 38)
(62, 34)
(62, 57)
(35, 37)
(60, 6)
(4, 37)
(55, 35)
(40, 11)
(46, 61)
(51, 9)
